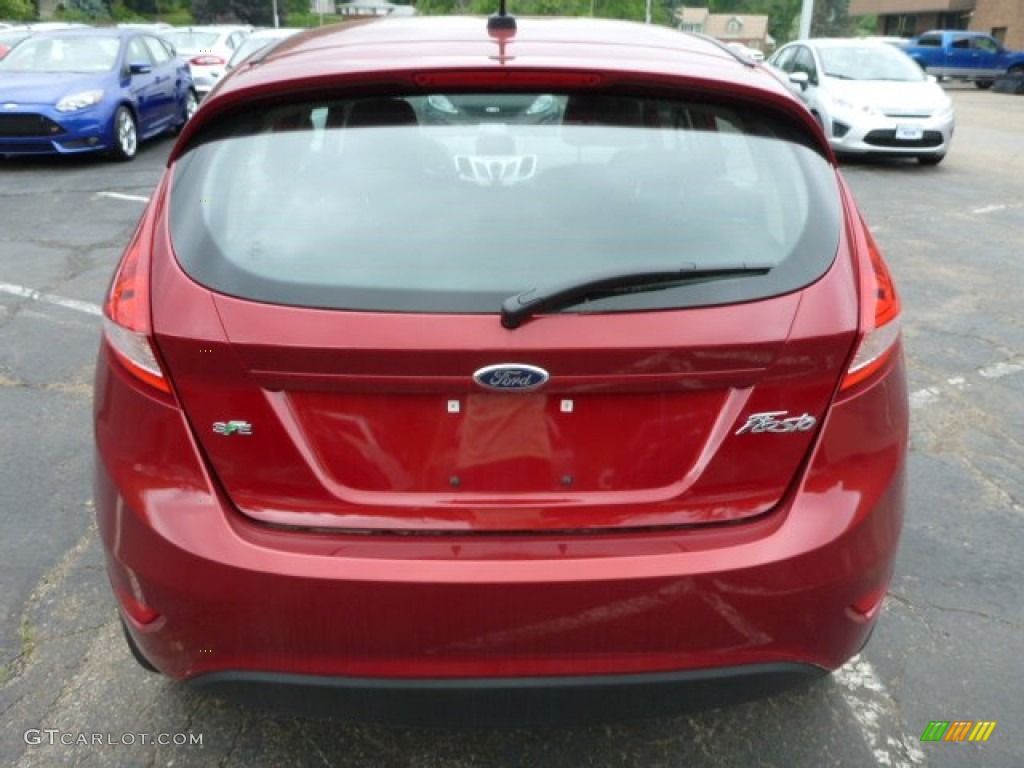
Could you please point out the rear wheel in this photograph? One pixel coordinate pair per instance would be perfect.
(188, 109)
(930, 159)
(126, 135)
(984, 84)
(136, 653)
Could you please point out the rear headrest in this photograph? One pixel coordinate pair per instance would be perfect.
(590, 110)
(593, 109)
(374, 112)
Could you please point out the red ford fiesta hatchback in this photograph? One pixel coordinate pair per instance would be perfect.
(500, 370)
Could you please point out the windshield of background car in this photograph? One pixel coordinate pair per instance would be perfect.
(62, 54)
(453, 202)
(870, 63)
(191, 40)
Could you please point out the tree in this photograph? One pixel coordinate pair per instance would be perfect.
(255, 12)
(831, 18)
(17, 10)
(93, 10)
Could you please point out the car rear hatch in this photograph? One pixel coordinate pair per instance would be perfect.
(686, 406)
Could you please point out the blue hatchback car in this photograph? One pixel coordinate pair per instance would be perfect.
(87, 90)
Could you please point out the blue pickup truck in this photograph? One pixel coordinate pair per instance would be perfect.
(964, 55)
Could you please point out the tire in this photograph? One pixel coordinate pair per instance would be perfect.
(984, 85)
(126, 135)
(136, 653)
(189, 109)
(930, 159)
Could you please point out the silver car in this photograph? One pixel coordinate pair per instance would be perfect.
(207, 50)
(870, 98)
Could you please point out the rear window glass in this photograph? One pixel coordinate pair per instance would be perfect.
(454, 202)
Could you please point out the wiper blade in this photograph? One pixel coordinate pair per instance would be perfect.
(520, 307)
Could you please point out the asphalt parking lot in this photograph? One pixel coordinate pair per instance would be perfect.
(949, 646)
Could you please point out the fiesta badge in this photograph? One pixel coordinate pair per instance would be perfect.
(509, 377)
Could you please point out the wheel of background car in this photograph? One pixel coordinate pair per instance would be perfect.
(126, 135)
(984, 84)
(930, 159)
(191, 105)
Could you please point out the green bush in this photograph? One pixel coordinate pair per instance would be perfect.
(179, 17)
(17, 10)
(121, 12)
(309, 20)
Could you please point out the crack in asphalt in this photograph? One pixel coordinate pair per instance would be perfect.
(51, 582)
(73, 387)
(236, 739)
(914, 609)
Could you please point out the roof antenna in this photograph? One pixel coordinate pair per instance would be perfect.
(501, 21)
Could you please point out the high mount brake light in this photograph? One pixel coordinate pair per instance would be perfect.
(880, 314)
(508, 79)
(126, 323)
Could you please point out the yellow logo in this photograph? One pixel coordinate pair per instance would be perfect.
(958, 730)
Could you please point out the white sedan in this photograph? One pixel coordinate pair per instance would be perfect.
(207, 50)
(870, 98)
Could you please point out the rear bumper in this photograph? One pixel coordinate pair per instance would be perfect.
(505, 701)
(236, 606)
(204, 78)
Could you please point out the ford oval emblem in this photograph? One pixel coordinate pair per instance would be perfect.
(511, 377)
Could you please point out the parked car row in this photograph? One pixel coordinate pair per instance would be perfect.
(869, 96)
(71, 88)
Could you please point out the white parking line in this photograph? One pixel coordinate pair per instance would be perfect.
(990, 209)
(122, 196)
(928, 395)
(999, 370)
(875, 711)
(49, 298)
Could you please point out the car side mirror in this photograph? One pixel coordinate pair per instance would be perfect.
(801, 79)
(138, 68)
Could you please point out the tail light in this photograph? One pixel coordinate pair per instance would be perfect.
(126, 323)
(206, 61)
(880, 314)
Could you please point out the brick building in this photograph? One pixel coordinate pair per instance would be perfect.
(1003, 19)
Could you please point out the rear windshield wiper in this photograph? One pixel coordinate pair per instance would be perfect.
(520, 307)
